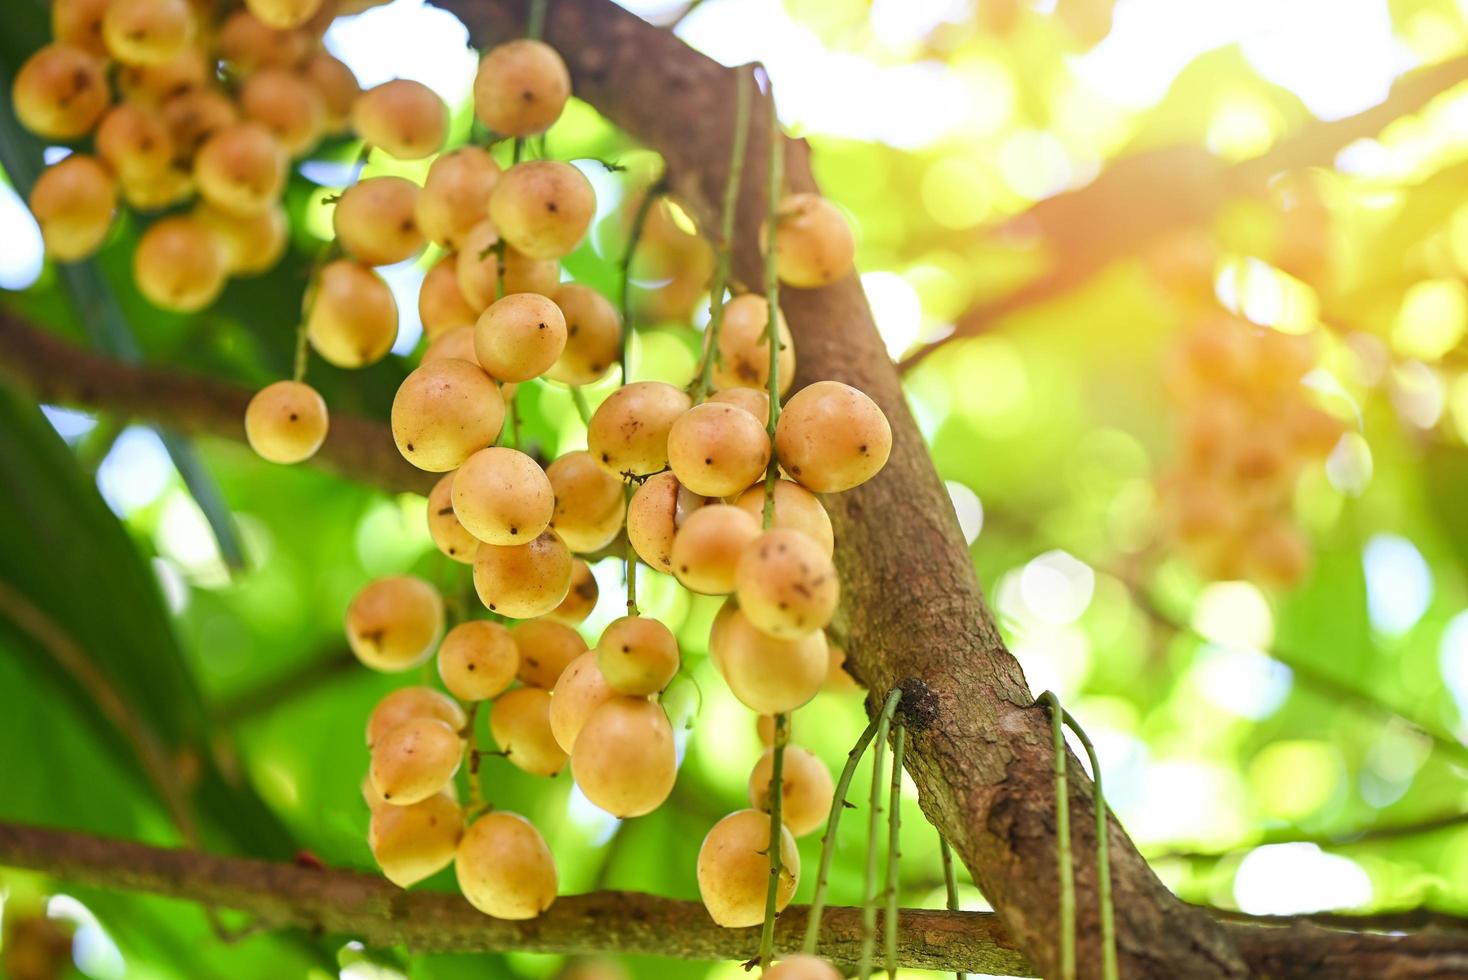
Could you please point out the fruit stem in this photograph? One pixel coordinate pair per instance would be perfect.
(894, 852)
(634, 236)
(772, 298)
(1103, 855)
(471, 758)
(777, 825)
(578, 398)
(950, 882)
(838, 803)
(874, 827)
(631, 566)
(726, 238)
(535, 22)
(1065, 863)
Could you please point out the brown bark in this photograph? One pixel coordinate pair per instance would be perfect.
(56, 372)
(980, 750)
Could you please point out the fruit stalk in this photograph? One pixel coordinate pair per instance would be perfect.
(894, 852)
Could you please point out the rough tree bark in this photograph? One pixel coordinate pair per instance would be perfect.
(914, 616)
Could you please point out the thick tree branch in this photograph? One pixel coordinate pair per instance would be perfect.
(368, 908)
(56, 372)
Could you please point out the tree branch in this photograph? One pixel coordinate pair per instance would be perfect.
(56, 372)
(368, 908)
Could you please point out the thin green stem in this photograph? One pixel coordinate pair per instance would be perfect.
(838, 804)
(578, 398)
(1065, 862)
(874, 827)
(777, 868)
(298, 373)
(1109, 969)
(471, 758)
(631, 567)
(772, 297)
(894, 851)
(535, 22)
(634, 236)
(726, 238)
(950, 882)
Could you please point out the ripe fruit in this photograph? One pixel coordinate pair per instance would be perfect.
(813, 242)
(374, 220)
(416, 841)
(1278, 554)
(580, 599)
(457, 343)
(717, 450)
(707, 547)
(79, 24)
(455, 195)
(589, 503)
(546, 649)
(802, 968)
(415, 760)
(767, 674)
(543, 207)
(832, 437)
(806, 793)
(441, 304)
(752, 400)
(796, 508)
(478, 660)
(637, 655)
(523, 274)
(629, 431)
(505, 868)
(520, 336)
(286, 104)
(443, 412)
(523, 581)
(734, 869)
(133, 139)
(60, 92)
(337, 88)
(838, 678)
(252, 243)
(241, 169)
(156, 193)
(248, 44)
(478, 267)
(656, 511)
(353, 318)
(193, 116)
(394, 623)
(521, 88)
(579, 691)
(449, 536)
(407, 703)
(179, 264)
(520, 723)
(147, 32)
(283, 14)
(152, 85)
(786, 583)
(744, 353)
(286, 422)
(404, 118)
(73, 202)
(624, 758)
(503, 496)
(593, 335)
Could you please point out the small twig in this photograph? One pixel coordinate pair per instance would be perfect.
(634, 237)
(777, 827)
(772, 297)
(894, 852)
(471, 758)
(1064, 861)
(950, 880)
(1107, 916)
(578, 398)
(874, 826)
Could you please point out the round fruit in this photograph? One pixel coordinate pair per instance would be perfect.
(415, 760)
(134, 141)
(394, 623)
(657, 510)
(786, 583)
(503, 496)
(60, 92)
(444, 528)
(156, 193)
(478, 266)
(247, 44)
(734, 869)
(523, 581)
(414, 842)
(744, 350)
(520, 724)
(767, 674)
(455, 195)
(147, 32)
(252, 243)
(543, 207)
(637, 655)
(353, 318)
(579, 691)
(444, 412)
(337, 88)
(79, 24)
(624, 759)
(74, 201)
(806, 789)
(832, 437)
(803, 968)
(764, 727)
(580, 599)
(286, 422)
(521, 88)
(441, 304)
(287, 104)
(546, 648)
(707, 547)
(717, 450)
(407, 703)
(283, 14)
(505, 868)
(795, 508)
(520, 336)
(523, 274)
(478, 660)
(813, 241)
(457, 343)
(838, 678)
(193, 116)
(752, 400)
(629, 431)
(374, 220)
(589, 503)
(593, 335)
(179, 264)
(152, 85)
(241, 169)
(404, 118)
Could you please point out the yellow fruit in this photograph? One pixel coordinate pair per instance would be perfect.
(579, 691)
(580, 599)
(707, 547)
(337, 88)
(520, 723)
(624, 759)
(802, 968)
(415, 760)
(629, 431)
(593, 335)
(134, 140)
(163, 191)
(286, 104)
(767, 674)
(717, 450)
(753, 400)
(503, 496)
(248, 45)
(478, 660)
(806, 789)
(194, 115)
(394, 623)
(283, 14)
(414, 842)
(74, 201)
(448, 535)
(253, 243)
(520, 336)
(179, 264)
(60, 92)
(505, 868)
(523, 274)
(444, 412)
(353, 318)
(521, 88)
(832, 437)
(838, 678)
(546, 648)
(786, 583)
(744, 353)
(457, 343)
(657, 510)
(543, 207)
(403, 118)
(813, 242)
(441, 304)
(637, 655)
(241, 169)
(147, 32)
(478, 267)
(525, 580)
(589, 503)
(374, 220)
(455, 195)
(407, 703)
(79, 24)
(286, 422)
(734, 869)
(153, 85)
(796, 508)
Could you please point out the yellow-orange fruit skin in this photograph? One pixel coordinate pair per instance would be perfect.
(795, 508)
(194, 115)
(593, 335)
(455, 195)
(286, 422)
(74, 201)
(504, 867)
(353, 317)
(60, 92)
(520, 724)
(134, 140)
(414, 842)
(656, 511)
(288, 105)
(803, 967)
(525, 580)
(337, 87)
(624, 758)
(241, 169)
(787, 585)
(477, 660)
(407, 703)
(444, 412)
(253, 244)
(734, 869)
(590, 505)
(415, 760)
(744, 352)
(374, 220)
(717, 450)
(543, 208)
(404, 118)
(520, 336)
(283, 14)
(637, 655)
(767, 674)
(546, 648)
(394, 623)
(449, 536)
(706, 549)
(521, 88)
(752, 400)
(179, 264)
(814, 245)
(579, 691)
(629, 431)
(78, 23)
(441, 304)
(503, 496)
(580, 598)
(147, 32)
(832, 437)
(457, 343)
(248, 44)
(807, 789)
